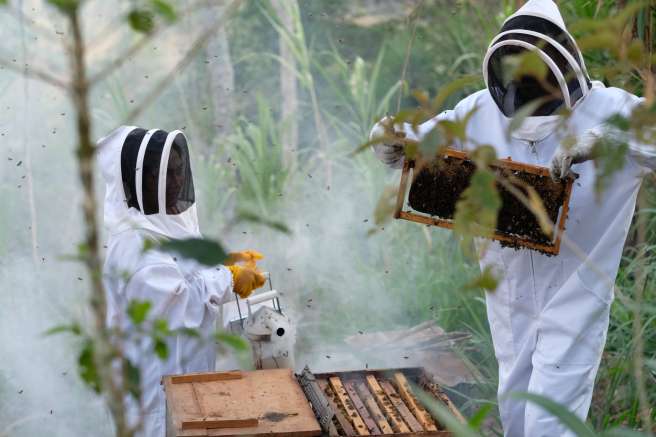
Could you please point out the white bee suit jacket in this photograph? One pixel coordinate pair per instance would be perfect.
(549, 315)
(182, 292)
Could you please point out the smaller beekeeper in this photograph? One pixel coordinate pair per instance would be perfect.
(150, 196)
(549, 316)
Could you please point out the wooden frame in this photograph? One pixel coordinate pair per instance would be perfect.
(414, 216)
(387, 395)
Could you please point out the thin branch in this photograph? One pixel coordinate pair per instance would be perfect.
(134, 49)
(45, 32)
(411, 19)
(200, 42)
(28, 71)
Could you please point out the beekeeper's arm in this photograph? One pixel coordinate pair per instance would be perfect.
(392, 153)
(180, 300)
(583, 148)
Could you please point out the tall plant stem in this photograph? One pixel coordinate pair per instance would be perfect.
(85, 155)
(638, 351)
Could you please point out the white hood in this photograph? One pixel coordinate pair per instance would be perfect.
(538, 26)
(118, 216)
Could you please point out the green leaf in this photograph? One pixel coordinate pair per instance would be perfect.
(451, 88)
(486, 280)
(161, 328)
(165, 9)
(622, 432)
(73, 328)
(566, 417)
(443, 415)
(189, 332)
(141, 20)
(207, 252)
(161, 348)
(87, 366)
(609, 157)
(527, 64)
(132, 378)
(65, 6)
(476, 421)
(432, 142)
(234, 341)
(248, 216)
(3, 2)
(477, 209)
(138, 311)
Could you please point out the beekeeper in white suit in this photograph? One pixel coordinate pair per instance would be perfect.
(549, 315)
(150, 195)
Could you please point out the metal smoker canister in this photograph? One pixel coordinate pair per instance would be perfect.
(271, 333)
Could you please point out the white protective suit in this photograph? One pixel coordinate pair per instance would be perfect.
(549, 315)
(184, 293)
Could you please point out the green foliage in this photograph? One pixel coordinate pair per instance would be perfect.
(87, 366)
(65, 6)
(609, 157)
(478, 208)
(486, 281)
(234, 341)
(132, 378)
(141, 20)
(73, 328)
(257, 151)
(477, 419)
(138, 311)
(205, 251)
(251, 217)
(165, 9)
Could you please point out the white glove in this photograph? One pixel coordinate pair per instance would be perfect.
(576, 153)
(390, 153)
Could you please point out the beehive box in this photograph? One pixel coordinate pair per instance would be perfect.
(278, 403)
(435, 189)
(260, 402)
(375, 402)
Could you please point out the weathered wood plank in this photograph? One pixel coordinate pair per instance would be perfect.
(339, 415)
(397, 401)
(205, 377)
(393, 416)
(219, 423)
(417, 409)
(373, 408)
(345, 400)
(359, 405)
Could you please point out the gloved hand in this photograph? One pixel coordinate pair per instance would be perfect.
(580, 150)
(245, 280)
(250, 257)
(388, 151)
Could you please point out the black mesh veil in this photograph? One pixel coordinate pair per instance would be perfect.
(129, 155)
(511, 94)
(176, 187)
(150, 172)
(179, 183)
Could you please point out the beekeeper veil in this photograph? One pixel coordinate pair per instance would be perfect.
(149, 182)
(537, 27)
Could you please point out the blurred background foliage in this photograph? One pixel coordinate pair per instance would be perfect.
(274, 105)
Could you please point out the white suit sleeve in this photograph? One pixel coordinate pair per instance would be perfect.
(181, 300)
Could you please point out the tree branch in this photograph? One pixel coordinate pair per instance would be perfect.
(184, 62)
(27, 71)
